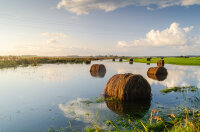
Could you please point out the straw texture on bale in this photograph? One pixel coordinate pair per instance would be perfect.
(157, 73)
(128, 87)
(160, 63)
(136, 109)
(120, 59)
(113, 59)
(98, 70)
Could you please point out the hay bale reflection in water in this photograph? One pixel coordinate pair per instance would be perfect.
(157, 73)
(98, 70)
(158, 77)
(130, 62)
(135, 109)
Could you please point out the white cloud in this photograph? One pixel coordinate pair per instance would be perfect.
(196, 39)
(49, 41)
(190, 2)
(55, 35)
(81, 7)
(187, 29)
(172, 36)
(58, 49)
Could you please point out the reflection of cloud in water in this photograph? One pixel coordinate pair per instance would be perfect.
(181, 76)
(77, 110)
(175, 78)
(177, 75)
(49, 72)
(55, 74)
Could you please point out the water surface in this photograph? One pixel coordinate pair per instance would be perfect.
(51, 95)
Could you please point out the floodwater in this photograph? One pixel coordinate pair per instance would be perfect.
(54, 96)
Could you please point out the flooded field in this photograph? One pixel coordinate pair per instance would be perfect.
(59, 96)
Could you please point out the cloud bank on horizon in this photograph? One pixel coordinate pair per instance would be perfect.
(173, 37)
(84, 7)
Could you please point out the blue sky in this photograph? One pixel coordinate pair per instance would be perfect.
(93, 27)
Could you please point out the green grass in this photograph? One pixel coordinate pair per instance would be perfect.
(186, 120)
(194, 61)
(15, 61)
(179, 89)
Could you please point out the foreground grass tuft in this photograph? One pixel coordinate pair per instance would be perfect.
(187, 121)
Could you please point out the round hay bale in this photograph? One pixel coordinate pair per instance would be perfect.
(160, 63)
(157, 71)
(88, 62)
(128, 87)
(148, 59)
(136, 109)
(120, 60)
(98, 70)
(113, 59)
(158, 77)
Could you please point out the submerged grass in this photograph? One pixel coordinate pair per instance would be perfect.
(185, 121)
(180, 89)
(99, 99)
(194, 61)
(15, 61)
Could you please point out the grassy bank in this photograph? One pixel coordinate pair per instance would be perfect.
(185, 121)
(194, 61)
(15, 61)
(156, 121)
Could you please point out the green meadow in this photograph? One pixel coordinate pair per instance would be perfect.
(193, 61)
(15, 61)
